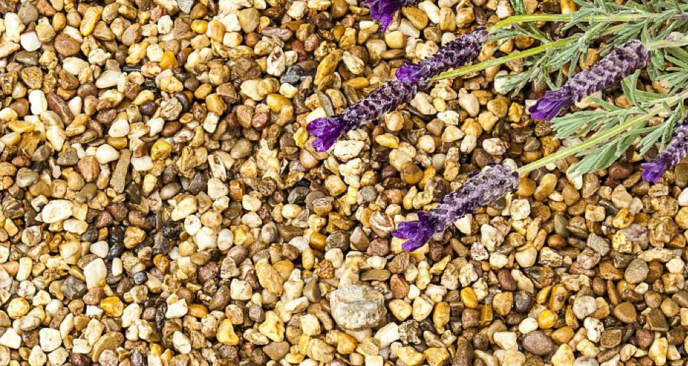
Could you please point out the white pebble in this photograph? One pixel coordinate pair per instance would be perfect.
(528, 325)
(56, 211)
(225, 239)
(30, 42)
(106, 154)
(142, 164)
(38, 102)
(50, 339)
(13, 27)
(119, 128)
(100, 248)
(206, 239)
(683, 198)
(95, 273)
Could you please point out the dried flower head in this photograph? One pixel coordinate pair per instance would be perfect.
(672, 154)
(478, 191)
(383, 10)
(382, 100)
(621, 62)
(455, 53)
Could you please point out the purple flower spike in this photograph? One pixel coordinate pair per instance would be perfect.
(409, 73)
(326, 132)
(383, 10)
(390, 95)
(455, 53)
(417, 233)
(672, 154)
(621, 62)
(478, 191)
(384, 99)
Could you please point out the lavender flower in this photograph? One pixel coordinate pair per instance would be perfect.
(621, 62)
(410, 79)
(384, 99)
(672, 154)
(479, 190)
(455, 53)
(383, 10)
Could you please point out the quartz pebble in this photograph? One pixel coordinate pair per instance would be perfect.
(355, 307)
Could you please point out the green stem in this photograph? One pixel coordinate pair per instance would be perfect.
(516, 55)
(604, 136)
(566, 17)
(540, 49)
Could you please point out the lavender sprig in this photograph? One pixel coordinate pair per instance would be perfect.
(676, 150)
(392, 94)
(455, 53)
(621, 62)
(383, 10)
(479, 190)
(382, 100)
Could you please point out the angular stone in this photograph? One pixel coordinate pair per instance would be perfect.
(119, 176)
(109, 341)
(185, 5)
(657, 321)
(355, 307)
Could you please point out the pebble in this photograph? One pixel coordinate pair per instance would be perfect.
(30, 42)
(50, 339)
(56, 211)
(355, 307)
(106, 154)
(95, 273)
(538, 343)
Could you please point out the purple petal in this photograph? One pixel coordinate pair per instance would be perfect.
(653, 171)
(552, 104)
(383, 10)
(326, 132)
(417, 232)
(675, 151)
(409, 73)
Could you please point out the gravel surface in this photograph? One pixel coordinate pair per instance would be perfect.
(161, 203)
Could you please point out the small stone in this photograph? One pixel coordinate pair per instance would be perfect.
(185, 5)
(563, 356)
(276, 350)
(10, 339)
(658, 351)
(50, 339)
(625, 312)
(538, 343)
(106, 154)
(584, 306)
(109, 341)
(95, 273)
(56, 211)
(410, 356)
(30, 42)
(112, 306)
(355, 307)
(636, 272)
(269, 278)
(66, 46)
(272, 327)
